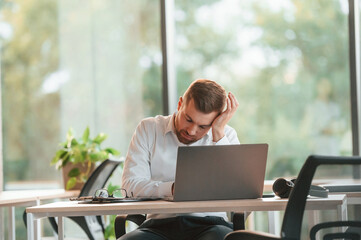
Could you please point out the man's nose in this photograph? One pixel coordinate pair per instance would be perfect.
(192, 129)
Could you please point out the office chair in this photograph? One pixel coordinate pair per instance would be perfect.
(351, 233)
(238, 220)
(97, 180)
(292, 220)
(92, 225)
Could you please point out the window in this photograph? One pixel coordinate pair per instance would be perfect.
(74, 64)
(285, 63)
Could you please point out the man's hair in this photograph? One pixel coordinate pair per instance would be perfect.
(208, 96)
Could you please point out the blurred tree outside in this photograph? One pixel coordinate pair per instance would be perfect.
(73, 64)
(272, 55)
(303, 49)
(272, 58)
(29, 54)
(67, 64)
(112, 54)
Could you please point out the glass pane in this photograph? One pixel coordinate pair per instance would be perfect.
(287, 63)
(74, 64)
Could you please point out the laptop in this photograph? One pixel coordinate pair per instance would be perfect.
(221, 172)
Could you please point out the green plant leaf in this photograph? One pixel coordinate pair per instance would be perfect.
(64, 144)
(63, 154)
(71, 183)
(81, 150)
(58, 155)
(112, 151)
(100, 138)
(61, 160)
(70, 134)
(65, 161)
(78, 156)
(70, 159)
(86, 135)
(98, 156)
(74, 172)
(69, 138)
(54, 160)
(74, 142)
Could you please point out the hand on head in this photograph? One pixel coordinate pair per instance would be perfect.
(221, 121)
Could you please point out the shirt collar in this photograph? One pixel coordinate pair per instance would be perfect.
(170, 126)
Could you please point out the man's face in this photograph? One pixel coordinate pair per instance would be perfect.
(191, 124)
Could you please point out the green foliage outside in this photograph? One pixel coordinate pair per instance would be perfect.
(292, 47)
(28, 55)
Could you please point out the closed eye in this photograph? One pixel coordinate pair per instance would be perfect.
(188, 119)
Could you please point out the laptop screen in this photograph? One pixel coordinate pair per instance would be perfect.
(220, 172)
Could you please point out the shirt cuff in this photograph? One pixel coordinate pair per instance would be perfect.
(223, 141)
(165, 189)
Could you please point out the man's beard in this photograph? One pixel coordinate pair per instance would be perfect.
(184, 137)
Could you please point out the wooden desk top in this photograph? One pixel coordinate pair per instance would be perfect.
(12, 198)
(74, 208)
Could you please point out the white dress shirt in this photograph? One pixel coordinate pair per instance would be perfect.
(149, 169)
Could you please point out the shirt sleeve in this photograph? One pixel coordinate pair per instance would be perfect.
(230, 137)
(136, 178)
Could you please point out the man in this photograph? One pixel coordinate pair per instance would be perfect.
(149, 171)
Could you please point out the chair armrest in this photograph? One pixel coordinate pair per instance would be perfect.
(353, 229)
(120, 220)
(250, 235)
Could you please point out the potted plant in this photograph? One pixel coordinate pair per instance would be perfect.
(77, 157)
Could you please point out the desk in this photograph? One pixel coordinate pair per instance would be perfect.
(62, 209)
(11, 199)
(353, 198)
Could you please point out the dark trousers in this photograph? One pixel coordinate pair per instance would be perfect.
(181, 228)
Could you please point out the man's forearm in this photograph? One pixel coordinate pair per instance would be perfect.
(147, 188)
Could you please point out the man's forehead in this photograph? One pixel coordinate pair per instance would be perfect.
(201, 119)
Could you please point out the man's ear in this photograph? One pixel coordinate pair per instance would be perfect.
(180, 102)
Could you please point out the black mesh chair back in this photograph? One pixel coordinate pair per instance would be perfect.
(97, 180)
(93, 225)
(292, 220)
(293, 216)
(99, 177)
(349, 230)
